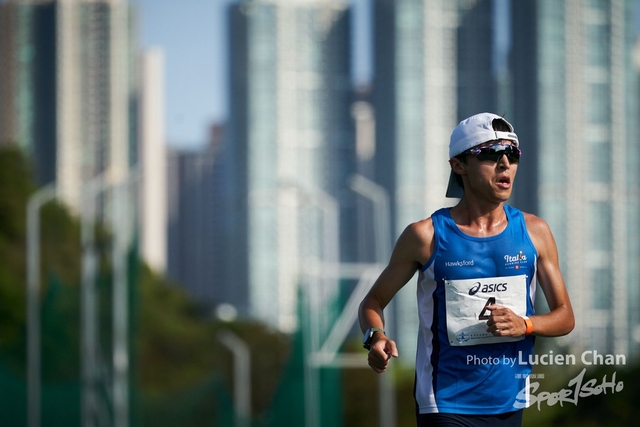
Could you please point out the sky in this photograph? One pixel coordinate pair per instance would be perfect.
(192, 34)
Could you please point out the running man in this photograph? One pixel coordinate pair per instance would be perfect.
(479, 263)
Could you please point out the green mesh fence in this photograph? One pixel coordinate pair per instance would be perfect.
(289, 406)
(60, 388)
(206, 403)
(13, 396)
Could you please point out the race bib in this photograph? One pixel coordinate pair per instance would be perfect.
(467, 302)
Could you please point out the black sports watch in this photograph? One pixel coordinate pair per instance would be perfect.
(368, 337)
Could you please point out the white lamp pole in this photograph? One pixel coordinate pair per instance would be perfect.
(241, 376)
(378, 195)
(34, 204)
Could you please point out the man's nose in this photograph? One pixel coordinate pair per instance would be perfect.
(504, 161)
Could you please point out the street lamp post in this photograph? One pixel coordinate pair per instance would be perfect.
(35, 203)
(88, 316)
(122, 228)
(241, 376)
(89, 402)
(323, 270)
(378, 195)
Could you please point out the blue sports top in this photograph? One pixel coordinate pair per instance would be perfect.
(460, 368)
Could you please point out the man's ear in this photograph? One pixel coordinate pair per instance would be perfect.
(457, 165)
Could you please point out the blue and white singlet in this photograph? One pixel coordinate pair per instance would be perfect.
(460, 368)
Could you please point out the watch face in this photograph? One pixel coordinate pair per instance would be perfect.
(368, 337)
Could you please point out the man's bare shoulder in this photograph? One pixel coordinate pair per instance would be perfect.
(535, 223)
(539, 230)
(421, 230)
(416, 241)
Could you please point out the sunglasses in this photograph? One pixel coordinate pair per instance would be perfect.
(495, 152)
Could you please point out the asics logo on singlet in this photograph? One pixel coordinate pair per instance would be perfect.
(487, 287)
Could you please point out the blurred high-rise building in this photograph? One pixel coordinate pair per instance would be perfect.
(291, 147)
(195, 247)
(66, 91)
(152, 159)
(576, 113)
(414, 98)
(477, 82)
(363, 115)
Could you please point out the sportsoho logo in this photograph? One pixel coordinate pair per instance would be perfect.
(487, 287)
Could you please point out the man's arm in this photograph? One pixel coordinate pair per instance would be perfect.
(412, 249)
(559, 321)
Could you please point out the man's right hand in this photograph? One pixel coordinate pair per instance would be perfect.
(382, 349)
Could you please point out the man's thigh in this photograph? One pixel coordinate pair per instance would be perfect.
(509, 419)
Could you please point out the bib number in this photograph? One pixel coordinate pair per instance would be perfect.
(467, 301)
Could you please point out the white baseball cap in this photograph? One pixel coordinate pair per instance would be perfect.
(470, 132)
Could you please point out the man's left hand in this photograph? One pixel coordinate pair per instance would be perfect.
(505, 323)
